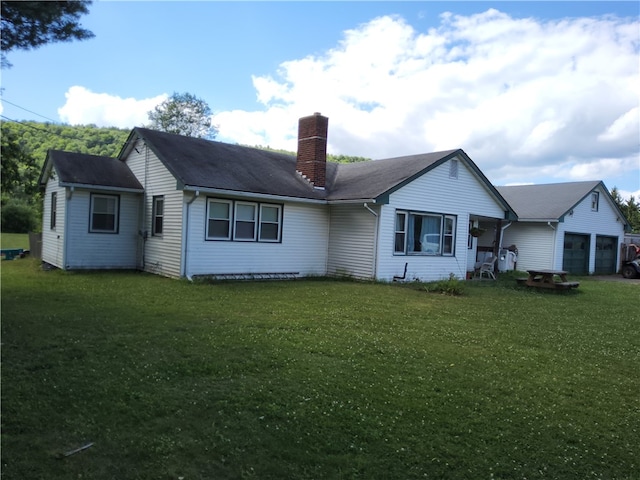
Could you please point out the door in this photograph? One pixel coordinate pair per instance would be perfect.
(576, 254)
(606, 249)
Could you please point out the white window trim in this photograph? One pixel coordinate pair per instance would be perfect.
(53, 220)
(254, 237)
(233, 220)
(154, 215)
(116, 220)
(595, 201)
(408, 215)
(230, 219)
(262, 222)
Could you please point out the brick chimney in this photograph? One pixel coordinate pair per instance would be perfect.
(311, 161)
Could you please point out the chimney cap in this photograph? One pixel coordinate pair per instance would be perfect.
(317, 114)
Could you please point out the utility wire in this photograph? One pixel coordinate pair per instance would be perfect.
(27, 110)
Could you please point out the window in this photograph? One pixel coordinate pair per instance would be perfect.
(54, 209)
(400, 232)
(157, 216)
(219, 220)
(424, 233)
(104, 213)
(245, 221)
(595, 197)
(269, 223)
(453, 168)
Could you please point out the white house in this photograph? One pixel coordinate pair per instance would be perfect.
(574, 226)
(183, 207)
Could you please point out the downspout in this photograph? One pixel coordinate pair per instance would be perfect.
(196, 194)
(502, 235)
(553, 261)
(65, 236)
(375, 241)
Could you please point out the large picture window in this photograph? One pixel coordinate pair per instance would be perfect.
(104, 213)
(243, 221)
(424, 233)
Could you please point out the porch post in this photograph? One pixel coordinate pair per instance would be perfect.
(496, 243)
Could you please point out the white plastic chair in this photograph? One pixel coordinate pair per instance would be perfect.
(487, 267)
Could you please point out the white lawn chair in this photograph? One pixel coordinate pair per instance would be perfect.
(486, 268)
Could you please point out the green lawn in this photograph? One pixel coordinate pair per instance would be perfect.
(315, 379)
(14, 240)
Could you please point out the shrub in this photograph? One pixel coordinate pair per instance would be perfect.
(18, 217)
(449, 286)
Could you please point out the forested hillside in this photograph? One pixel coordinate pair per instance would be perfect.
(36, 138)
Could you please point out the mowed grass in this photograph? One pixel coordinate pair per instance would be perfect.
(315, 379)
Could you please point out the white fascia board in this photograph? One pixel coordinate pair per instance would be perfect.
(257, 196)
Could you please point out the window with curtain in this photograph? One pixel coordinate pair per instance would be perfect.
(424, 233)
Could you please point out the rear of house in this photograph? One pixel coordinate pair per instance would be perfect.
(184, 207)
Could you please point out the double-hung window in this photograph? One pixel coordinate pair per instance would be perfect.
(243, 221)
(157, 216)
(104, 213)
(595, 198)
(54, 209)
(219, 219)
(418, 233)
(270, 216)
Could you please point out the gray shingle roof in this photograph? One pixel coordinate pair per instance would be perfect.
(91, 170)
(546, 202)
(209, 164)
(203, 163)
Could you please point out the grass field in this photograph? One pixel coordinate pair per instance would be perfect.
(315, 379)
(14, 240)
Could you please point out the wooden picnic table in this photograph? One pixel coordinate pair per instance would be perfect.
(544, 278)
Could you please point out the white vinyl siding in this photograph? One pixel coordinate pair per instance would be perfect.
(53, 239)
(95, 250)
(541, 245)
(463, 197)
(158, 254)
(352, 239)
(302, 249)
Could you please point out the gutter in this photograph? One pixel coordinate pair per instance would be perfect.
(266, 196)
(101, 187)
(555, 240)
(196, 194)
(375, 240)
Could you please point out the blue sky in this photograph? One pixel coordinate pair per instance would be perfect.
(534, 92)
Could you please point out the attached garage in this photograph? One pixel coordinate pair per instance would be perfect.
(576, 253)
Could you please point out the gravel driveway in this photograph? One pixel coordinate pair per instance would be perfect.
(617, 278)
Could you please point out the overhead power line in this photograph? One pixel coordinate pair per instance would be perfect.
(30, 111)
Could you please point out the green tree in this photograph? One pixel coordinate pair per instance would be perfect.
(27, 25)
(183, 114)
(629, 208)
(20, 170)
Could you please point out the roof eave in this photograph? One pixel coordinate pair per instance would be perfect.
(110, 188)
(254, 195)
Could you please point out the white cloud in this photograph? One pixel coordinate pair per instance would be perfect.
(84, 107)
(528, 100)
(525, 99)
